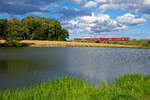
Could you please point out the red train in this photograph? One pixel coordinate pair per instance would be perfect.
(103, 39)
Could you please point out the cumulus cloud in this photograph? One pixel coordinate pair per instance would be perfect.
(94, 24)
(142, 6)
(90, 4)
(78, 1)
(108, 6)
(21, 7)
(147, 2)
(101, 1)
(70, 13)
(78, 18)
(130, 19)
(146, 16)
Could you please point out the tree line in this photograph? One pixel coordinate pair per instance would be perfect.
(31, 28)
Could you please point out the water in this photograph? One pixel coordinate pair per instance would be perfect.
(24, 66)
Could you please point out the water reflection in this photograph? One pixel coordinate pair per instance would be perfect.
(12, 67)
(21, 67)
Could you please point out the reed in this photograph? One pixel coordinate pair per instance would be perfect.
(128, 87)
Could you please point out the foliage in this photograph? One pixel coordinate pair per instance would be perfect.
(3, 27)
(97, 41)
(31, 28)
(39, 28)
(128, 87)
(139, 43)
(14, 32)
(134, 42)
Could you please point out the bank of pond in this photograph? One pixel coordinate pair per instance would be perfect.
(127, 87)
(139, 44)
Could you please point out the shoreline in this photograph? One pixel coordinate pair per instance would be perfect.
(38, 43)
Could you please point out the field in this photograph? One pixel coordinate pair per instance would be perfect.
(69, 44)
(114, 44)
(37, 43)
(128, 87)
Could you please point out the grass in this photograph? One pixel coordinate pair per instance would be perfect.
(125, 44)
(128, 87)
(71, 44)
(145, 44)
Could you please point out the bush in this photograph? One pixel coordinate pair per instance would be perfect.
(97, 41)
(13, 43)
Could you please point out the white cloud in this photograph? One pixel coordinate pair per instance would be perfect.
(73, 22)
(108, 6)
(142, 6)
(94, 24)
(147, 16)
(147, 2)
(93, 18)
(76, 9)
(45, 7)
(65, 7)
(130, 19)
(90, 4)
(101, 1)
(78, 1)
(36, 13)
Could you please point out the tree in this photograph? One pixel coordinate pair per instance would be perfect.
(3, 27)
(31, 28)
(14, 32)
(64, 35)
(41, 33)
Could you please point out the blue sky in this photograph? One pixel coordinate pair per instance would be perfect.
(88, 18)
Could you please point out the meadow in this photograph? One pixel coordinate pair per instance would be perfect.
(127, 87)
(39, 43)
(145, 44)
(131, 43)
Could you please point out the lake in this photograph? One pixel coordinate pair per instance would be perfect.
(21, 67)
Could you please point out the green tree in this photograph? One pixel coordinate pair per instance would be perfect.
(41, 33)
(64, 35)
(3, 27)
(31, 28)
(14, 32)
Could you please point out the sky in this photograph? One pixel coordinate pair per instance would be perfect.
(87, 18)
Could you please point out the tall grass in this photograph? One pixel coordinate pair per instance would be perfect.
(142, 43)
(114, 44)
(134, 42)
(128, 87)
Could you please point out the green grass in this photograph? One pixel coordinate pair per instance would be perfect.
(145, 43)
(128, 87)
(141, 44)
